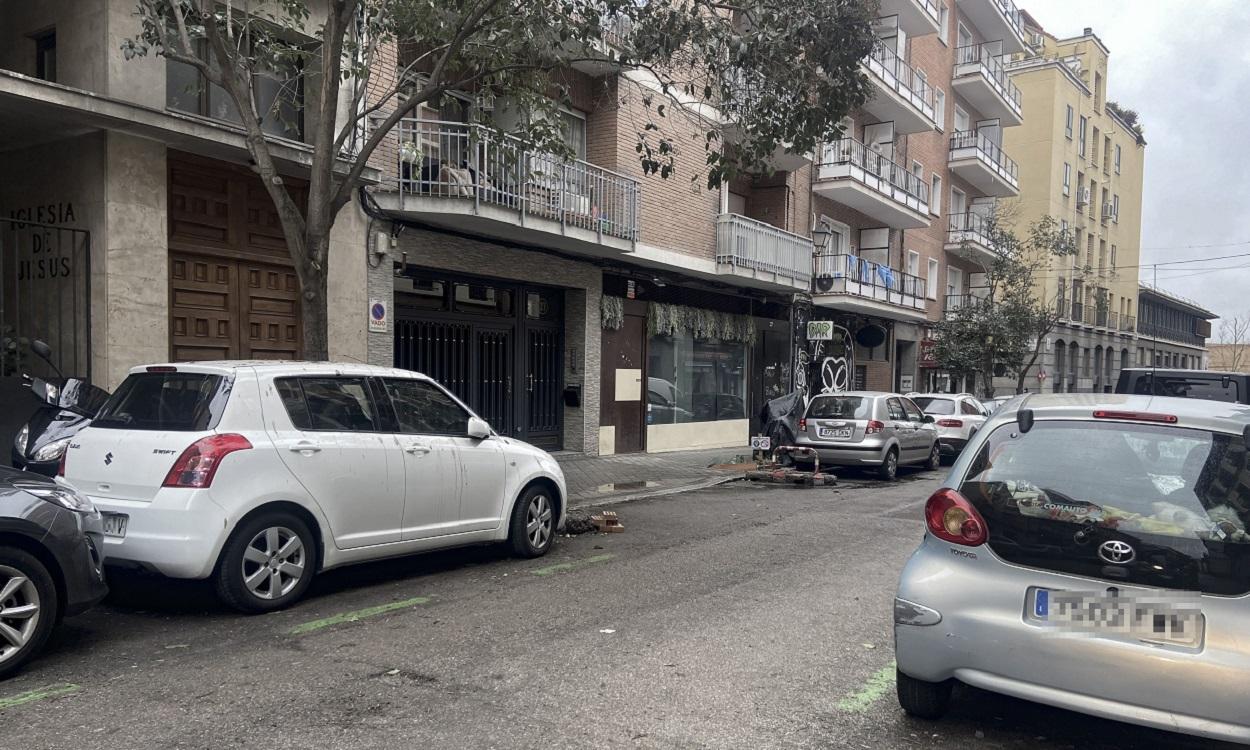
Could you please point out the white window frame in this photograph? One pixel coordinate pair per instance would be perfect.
(1067, 126)
(944, 24)
(1082, 130)
(839, 236)
(1115, 208)
(939, 107)
(935, 195)
(912, 264)
(1117, 158)
(931, 281)
(1067, 178)
(966, 117)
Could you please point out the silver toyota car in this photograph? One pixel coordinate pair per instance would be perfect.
(870, 429)
(1091, 553)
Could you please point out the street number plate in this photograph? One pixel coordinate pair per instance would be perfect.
(841, 433)
(1164, 619)
(115, 524)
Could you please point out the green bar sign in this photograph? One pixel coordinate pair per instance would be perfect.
(819, 330)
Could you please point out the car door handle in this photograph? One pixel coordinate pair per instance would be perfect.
(416, 449)
(304, 446)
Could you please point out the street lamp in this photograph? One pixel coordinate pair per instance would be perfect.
(820, 236)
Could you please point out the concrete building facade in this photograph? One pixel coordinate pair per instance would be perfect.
(1172, 331)
(1081, 163)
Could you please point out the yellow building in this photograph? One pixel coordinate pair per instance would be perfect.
(1081, 163)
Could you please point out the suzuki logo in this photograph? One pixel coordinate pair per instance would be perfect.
(1116, 552)
(108, 458)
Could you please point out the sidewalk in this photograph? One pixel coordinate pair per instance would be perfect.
(595, 480)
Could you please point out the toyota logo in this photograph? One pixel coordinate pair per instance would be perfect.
(1116, 552)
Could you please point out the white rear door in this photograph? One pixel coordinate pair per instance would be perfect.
(328, 431)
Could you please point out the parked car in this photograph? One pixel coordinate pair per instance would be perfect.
(957, 417)
(1230, 387)
(51, 541)
(869, 428)
(1090, 553)
(259, 475)
(994, 404)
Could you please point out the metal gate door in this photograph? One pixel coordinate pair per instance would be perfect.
(436, 348)
(495, 363)
(542, 385)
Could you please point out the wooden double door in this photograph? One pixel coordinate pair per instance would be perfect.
(233, 291)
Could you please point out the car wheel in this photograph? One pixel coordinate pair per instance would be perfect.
(28, 608)
(533, 526)
(267, 564)
(924, 700)
(935, 457)
(889, 467)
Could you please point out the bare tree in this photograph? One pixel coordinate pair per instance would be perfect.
(1234, 350)
(785, 71)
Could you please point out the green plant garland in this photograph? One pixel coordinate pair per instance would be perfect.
(670, 320)
(611, 313)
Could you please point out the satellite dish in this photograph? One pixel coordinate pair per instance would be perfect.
(870, 336)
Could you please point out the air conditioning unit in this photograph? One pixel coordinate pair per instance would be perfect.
(1082, 197)
(1036, 40)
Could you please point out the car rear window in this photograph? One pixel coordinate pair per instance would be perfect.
(166, 401)
(932, 405)
(1180, 496)
(1211, 388)
(840, 407)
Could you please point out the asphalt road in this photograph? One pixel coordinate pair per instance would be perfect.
(736, 617)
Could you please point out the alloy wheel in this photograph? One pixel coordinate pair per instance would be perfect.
(538, 519)
(19, 611)
(273, 562)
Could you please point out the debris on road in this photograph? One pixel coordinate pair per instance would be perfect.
(607, 631)
(607, 522)
(578, 523)
(785, 473)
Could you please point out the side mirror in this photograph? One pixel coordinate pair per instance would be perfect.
(478, 429)
(928, 419)
(43, 350)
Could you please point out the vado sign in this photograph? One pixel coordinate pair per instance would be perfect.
(819, 330)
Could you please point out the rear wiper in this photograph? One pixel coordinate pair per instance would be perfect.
(121, 419)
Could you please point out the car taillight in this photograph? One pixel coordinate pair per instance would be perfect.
(198, 463)
(950, 423)
(952, 518)
(874, 426)
(802, 424)
(60, 465)
(1136, 416)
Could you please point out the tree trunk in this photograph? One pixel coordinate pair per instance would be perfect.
(315, 298)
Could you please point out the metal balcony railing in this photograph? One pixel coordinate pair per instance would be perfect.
(959, 301)
(850, 274)
(1078, 312)
(1013, 15)
(746, 243)
(1128, 323)
(1113, 320)
(991, 66)
(987, 151)
(1089, 316)
(968, 223)
(848, 151)
(908, 81)
(1101, 317)
(472, 162)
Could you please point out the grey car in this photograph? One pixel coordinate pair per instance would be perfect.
(51, 562)
(871, 429)
(1090, 552)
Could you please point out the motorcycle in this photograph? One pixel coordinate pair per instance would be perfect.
(69, 404)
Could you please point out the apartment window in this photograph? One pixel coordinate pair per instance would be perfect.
(1115, 208)
(1113, 257)
(931, 281)
(939, 106)
(1106, 152)
(1096, 143)
(1081, 147)
(935, 196)
(1067, 178)
(913, 263)
(954, 281)
(963, 123)
(1063, 227)
(1117, 158)
(45, 56)
(279, 98)
(1067, 125)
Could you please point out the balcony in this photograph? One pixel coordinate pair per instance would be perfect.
(1128, 324)
(762, 255)
(968, 235)
(982, 162)
(899, 94)
(997, 19)
(915, 17)
(981, 79)
(850, 283)
(468, 178)
(602, 57)
(854, 175)
(953, 302)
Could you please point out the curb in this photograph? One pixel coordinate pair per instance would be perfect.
(614, 499)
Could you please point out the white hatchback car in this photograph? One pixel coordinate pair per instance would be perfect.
(260, 474)
(957, 417)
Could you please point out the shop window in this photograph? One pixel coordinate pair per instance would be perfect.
(695, 380)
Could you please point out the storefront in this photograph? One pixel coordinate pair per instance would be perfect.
(685, 368)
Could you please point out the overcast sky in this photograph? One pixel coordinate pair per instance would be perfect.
(1185, 67)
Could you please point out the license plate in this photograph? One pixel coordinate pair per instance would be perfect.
(836, 433)
(115, 524)
(1164, 619)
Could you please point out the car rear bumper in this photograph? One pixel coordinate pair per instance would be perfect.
(851, 454)
(951, 445)
(178, 534)
(983, 639)
(77, 543)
